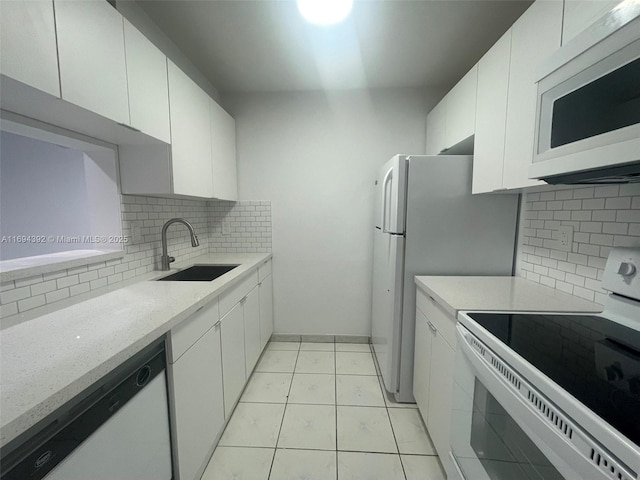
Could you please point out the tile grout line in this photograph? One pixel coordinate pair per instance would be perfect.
(335, 392)
(393, 432)
(284, 411)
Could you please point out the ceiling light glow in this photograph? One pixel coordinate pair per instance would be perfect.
(324, 12)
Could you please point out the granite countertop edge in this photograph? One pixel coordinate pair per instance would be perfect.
(500, 293)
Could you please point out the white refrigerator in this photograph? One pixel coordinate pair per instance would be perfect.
(428, 223)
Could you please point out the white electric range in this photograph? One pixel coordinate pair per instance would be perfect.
(552, 396)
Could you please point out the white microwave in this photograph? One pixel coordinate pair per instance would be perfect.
(588, 110)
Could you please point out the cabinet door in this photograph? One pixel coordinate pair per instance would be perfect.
(461, 109)
(252, 350)
(223, 153)
(422, 363)
(491, 116)
(147, 85)
(579, 14)
(535, 36)
(93, 71)
(233, 358)
(440, 394)
(190, 136)
(198, 403)
(28, 44)
(436, 125)
(266, 310)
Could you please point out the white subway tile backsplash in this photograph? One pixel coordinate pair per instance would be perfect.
(602, 217)
(142, 219)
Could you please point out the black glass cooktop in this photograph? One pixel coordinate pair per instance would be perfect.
(594, 359)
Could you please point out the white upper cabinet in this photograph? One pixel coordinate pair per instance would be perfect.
(436, 126)
(190, 136)
(579, 14)
(28, 44)
(491, 116)
(93, 72)
(453, 119)
(461, 109)
(223, 153)
(535, 36)
(147, 85)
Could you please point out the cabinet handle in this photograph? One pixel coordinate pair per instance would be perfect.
(244, 299)
(217, 324)
(432, 326)
(199, 309)
(260, 284)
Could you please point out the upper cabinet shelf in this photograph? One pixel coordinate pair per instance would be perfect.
(116, 86)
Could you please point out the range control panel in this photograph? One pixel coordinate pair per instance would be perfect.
(622, 272)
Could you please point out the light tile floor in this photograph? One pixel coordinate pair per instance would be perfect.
(317, 411)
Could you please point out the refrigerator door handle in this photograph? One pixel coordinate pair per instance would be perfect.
(388, 177)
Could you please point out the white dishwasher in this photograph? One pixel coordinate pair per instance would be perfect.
(116, 429)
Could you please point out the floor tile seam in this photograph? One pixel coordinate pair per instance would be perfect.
(395, 439)
(284, 412)
(262, 403)
(420, 454)
(335, 391)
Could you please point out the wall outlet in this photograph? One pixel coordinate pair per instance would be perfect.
(565, 238)
(226, 228)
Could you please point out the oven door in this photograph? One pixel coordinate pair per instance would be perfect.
(496, 435)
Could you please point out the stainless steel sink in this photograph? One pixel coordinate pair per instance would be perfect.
(199, 273)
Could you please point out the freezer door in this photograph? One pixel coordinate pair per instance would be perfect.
(386, 328)
(391, 188)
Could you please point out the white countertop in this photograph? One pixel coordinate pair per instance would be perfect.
(500, 293)
(47, 361)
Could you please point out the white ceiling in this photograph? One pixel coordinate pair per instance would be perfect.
(265, 45)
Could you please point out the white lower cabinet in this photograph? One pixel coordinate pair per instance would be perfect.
(252, 343)
(434, 363)
(422, 363)
(210, 361)
(233, 357)
(441, 394)
(266, 310)
(198, 407)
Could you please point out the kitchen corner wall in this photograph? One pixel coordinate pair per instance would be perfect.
(316, 155)
(142, 221)
(602, 217)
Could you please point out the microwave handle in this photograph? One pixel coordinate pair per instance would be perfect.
(388, 176)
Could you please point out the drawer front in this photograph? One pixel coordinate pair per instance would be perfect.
(188, 332)
(445, 323)
(264, 270)
(229, 298)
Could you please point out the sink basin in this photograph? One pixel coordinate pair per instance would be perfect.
(199, 273)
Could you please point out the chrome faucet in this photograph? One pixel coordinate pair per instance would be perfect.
(166, 259)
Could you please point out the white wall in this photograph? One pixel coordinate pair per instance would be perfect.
(314, 155)
(42, 184)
